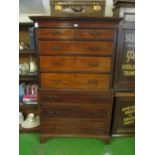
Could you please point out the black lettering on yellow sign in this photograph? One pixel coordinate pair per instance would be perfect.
(129, 115)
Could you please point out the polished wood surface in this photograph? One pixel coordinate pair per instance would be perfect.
(75, 47)
(94, 33)
(76, 97)
(55, 33)
(76, 127)
(74, 112)
(75, 81)
(75, 63)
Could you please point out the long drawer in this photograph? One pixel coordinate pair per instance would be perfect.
(75, 98)
(74, 127)
(75, 33)
(94, 33)
(73, 63)
(75, 81)
(75, 47)
(75, 112)
(55, 33)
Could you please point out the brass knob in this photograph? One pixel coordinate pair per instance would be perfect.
(92, 81)
(93, 64)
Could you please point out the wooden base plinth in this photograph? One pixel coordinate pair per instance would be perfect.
(45, 137)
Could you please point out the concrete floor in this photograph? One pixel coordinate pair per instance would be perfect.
(29, 145)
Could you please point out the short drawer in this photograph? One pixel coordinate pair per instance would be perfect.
(77, 47)
(76, 112)
(75, 98)
(94, 33)
(55, 34)
(74, 127)
(75, 81)
(75, 64)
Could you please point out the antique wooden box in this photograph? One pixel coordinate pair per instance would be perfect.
(123, 119)
(73, 8)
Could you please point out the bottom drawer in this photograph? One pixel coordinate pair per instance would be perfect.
(74, 127)
(123, 120)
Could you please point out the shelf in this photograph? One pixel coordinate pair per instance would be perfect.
(28, 106)
(31, 130)
(27, 51)
(28, 77)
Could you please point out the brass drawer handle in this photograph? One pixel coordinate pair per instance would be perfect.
(94, 48)
(95, 34)
(56, 81)
(53, 128)
(99, 130)
(52, 97)
(54, 112)
(56, 32)
(93, 64)
(92, 81)
(56, 48)
(95, 113)
(56, 63)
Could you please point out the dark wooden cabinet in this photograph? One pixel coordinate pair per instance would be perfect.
(123, 118)
(76, 57)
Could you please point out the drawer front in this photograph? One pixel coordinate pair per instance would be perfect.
(70, 47)
(94, 34)
(75, 81)
(79, 98)
(75, 112)
(55, 34)
(74, 127)
(72, 63)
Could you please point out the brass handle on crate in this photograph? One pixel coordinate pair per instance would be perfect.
(95, 34)
(93, 64)
(56, 32)
(56, 48)
(77, 9)
(93, 81)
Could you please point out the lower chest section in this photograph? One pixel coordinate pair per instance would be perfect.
(80, 113)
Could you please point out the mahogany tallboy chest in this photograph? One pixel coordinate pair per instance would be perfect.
(75, 58)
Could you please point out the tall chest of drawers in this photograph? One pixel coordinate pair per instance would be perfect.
(75, 58)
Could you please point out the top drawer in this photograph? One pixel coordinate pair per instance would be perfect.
(55, 33)
(94, 33)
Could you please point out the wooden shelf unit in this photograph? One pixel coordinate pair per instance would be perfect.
(24, 56)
